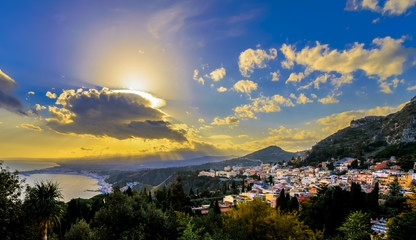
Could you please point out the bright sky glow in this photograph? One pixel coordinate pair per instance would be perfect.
(99, 79)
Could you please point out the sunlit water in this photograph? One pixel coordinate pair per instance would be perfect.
(72, 186)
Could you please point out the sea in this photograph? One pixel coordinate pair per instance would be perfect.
(72, 186)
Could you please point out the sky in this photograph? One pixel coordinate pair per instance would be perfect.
(128, 79)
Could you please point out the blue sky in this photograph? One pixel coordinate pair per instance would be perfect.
(217, 77)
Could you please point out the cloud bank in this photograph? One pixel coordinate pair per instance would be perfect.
(116, 114)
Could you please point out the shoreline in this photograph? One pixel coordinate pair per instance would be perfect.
(104, 186)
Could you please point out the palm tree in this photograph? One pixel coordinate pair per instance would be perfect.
(42, 201)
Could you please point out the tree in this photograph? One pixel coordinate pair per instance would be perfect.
(257, 220)
(373, 198)
(42, 201)
(411, 200)
(282, 201)
(395, 189)
(357, 226)
(402, 227)
(10, 203)
(79, 231)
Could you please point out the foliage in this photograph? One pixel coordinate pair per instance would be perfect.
(402, 227)
(357, 226)
(258, 221)
(79, 231)
(411, 200)
(42, 201)
(10, 203)
(331, 206)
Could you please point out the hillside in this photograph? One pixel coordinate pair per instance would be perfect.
(369, 136)
(156, 176)
(271, 154)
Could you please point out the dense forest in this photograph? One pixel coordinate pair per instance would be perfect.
(334, 213)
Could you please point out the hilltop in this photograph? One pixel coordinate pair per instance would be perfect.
(371, 136)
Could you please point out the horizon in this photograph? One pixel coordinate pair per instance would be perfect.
(104, 80)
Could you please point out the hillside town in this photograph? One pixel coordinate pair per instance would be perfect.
(267, 181)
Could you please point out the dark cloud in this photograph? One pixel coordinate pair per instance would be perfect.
(109, 113)
(7, 99)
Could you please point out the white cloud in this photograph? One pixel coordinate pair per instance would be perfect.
(245, 86)
(388, 58)
(230, 120)
(386, 86)
(316, 83)
(295, 77)
(411, 88)
(344, 79)
(51, 95)
(328, 99)
(201, 120)
(391, 7)
(39, 107)
(275, 75)
(196, 78)
(217, 74)
(302, 99)
(221, 89)
(31, 93)
(385, 60)
(251, 59)
(262, 104)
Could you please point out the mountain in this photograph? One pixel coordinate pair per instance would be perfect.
(370, 136)
(271, 154)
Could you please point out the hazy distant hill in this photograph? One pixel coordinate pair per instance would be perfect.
(271, 154)
(370, 135)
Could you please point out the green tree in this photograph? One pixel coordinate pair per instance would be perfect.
(395, 189)
(10, 203)
(373, 198)
(79, 231)
(357, 226)
(42, 201)
(282, 201)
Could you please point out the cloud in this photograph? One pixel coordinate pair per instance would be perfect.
(31, 93)
(217, 74)
(31, 127)
(262, 104)
(51, 95)
(230, 120)
(245, 86)
(118, 114)
(7, 99)
(386, 59)
(328, 99)
(411, 88)
(251, 59)
(391, 7)
(302, 99)
(38, 107)
(344, 79)
(338, 121)
(220, 137)
(316, 83)
(196, 78)
(221, 89)
(295, 77)
(386, 86)
(170, 20)
(275, 75)
(201, 120)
